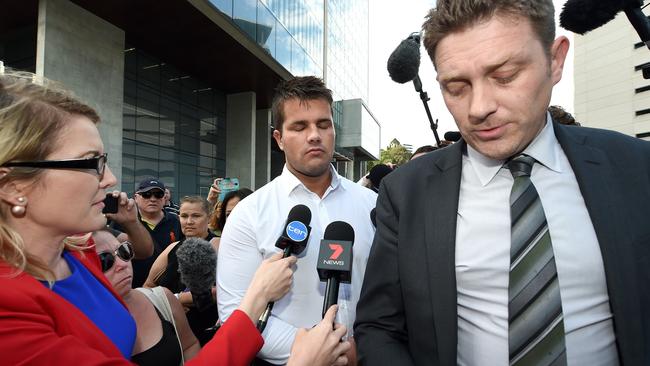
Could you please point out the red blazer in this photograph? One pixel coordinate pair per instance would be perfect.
(39, 327)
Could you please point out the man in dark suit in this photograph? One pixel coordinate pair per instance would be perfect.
(525, 243)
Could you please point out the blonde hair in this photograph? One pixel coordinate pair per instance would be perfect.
(33, 112)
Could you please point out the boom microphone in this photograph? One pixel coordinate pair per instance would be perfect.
(404, 62)
(335, 260)
(197, 264)
(292, 240)
(582, 16)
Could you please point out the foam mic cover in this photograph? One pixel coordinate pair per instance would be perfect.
(197, 265)
(295, 235)
(452, 136)
(404, 62)
(582, 16)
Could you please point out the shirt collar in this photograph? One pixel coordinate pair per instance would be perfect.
(544, 148)
(289, 182)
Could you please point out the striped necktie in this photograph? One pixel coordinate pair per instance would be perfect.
(536, 326)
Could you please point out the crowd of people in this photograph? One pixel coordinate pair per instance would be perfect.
(524, 243)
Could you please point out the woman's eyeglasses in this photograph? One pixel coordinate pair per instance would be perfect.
(124, 252)
(97, 163)
(156, 193)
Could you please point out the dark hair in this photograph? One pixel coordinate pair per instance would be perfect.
(241, 194)
(454, 15)
(561, 116)
(303, 88)
(424, 149)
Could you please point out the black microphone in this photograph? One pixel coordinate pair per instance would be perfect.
(335, 260)
(452, 136)
(582, 16)
(295, 235)
(292, 240)
(197, 264)
(404, 62)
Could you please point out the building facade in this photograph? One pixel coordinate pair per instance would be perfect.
(184, 87)
(610, 91)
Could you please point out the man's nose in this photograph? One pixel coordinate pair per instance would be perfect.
(482, 102)
(314, 134)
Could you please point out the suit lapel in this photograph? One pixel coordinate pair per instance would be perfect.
(443, 187)
(601, 190)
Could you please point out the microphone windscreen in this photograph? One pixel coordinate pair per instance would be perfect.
(339, 230)
(452, 136)
(197, 264)
(582, 16)
(300, 213)
(404, 62)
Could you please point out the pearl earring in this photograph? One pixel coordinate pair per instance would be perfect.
(19, 210)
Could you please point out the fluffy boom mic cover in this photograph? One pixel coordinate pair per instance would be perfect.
(404, 62)
(582, 16)
(197, 264)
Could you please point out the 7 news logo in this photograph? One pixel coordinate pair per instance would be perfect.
(337, 250)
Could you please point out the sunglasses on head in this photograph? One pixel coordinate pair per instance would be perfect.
(124, 252)
(156, 193)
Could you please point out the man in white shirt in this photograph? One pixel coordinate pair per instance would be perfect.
(302, 113)
(439, 282)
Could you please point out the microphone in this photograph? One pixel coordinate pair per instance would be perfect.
(582, 16)
(292, 240)
(197, 264)
(295, 235)
(404, 62)
(452, 136)
(335, 260)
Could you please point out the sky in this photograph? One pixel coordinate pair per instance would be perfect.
(398, 106)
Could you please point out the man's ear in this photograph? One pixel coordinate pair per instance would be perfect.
(277, 135)
(559, 50)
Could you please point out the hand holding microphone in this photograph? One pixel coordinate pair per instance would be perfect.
(292, 240)
(271, 281)
(321, 345)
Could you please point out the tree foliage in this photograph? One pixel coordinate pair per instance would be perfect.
(395, 153)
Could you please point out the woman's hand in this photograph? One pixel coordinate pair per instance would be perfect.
(321, 345)
(271, 281)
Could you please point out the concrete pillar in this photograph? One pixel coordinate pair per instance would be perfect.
(359, 165)
(86, 54)
(263, 148)
(240, 138)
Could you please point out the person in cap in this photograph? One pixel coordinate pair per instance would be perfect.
(164, 227)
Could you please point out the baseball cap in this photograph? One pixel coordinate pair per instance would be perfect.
(149, 184)
(377, 173)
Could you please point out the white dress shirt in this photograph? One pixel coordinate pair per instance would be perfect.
(250, 235)
(483, 258)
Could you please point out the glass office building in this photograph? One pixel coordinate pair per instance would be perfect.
(184, 87)
(174, 126)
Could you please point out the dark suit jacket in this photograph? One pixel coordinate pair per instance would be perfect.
(407, 311)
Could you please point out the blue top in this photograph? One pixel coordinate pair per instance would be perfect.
(90, 296)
